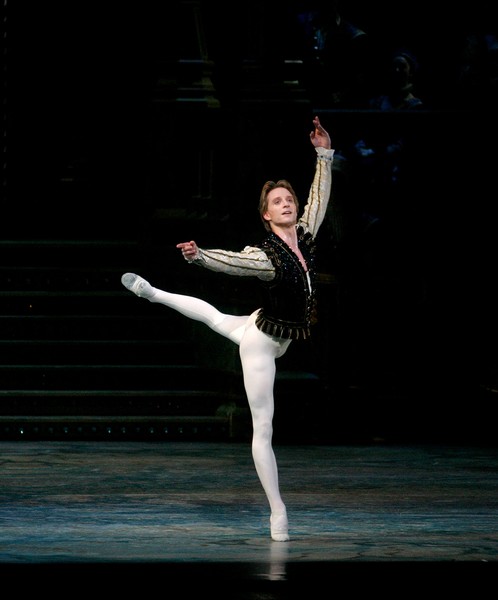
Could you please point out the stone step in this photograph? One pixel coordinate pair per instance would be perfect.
(97, 351)
(223, 427)
(111, 377)
(151, 402)
(157, 326)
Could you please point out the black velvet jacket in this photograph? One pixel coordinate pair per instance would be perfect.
(288, 309)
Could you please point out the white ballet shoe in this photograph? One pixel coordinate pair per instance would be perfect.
(279, 527)
(137, 285)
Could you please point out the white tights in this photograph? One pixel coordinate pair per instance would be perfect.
(258, 352)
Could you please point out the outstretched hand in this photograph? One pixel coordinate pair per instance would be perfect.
(189, 250)
(319, 136)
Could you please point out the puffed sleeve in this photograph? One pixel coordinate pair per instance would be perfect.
(250, 262)
(319, 195)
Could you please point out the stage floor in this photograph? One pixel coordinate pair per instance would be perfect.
(182, 513)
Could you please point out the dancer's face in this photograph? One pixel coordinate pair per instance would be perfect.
(282, 210)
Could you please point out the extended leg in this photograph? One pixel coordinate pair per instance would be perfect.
(230, 326)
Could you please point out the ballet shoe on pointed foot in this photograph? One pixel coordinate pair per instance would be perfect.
(137, 285)
(279, 527)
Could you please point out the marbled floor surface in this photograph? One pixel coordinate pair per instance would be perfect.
(195, 512)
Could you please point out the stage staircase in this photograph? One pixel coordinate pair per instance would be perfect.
(83, 358)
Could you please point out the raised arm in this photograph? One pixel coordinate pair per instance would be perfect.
(321, 187)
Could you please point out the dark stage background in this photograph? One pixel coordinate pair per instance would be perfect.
(129, 129)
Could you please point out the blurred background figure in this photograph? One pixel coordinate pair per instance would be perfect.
(381, 158)
(398, 82)
(336, 56)
(478, 76)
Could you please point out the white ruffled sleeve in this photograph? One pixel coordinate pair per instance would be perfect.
(319, 195)
(250, 262)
